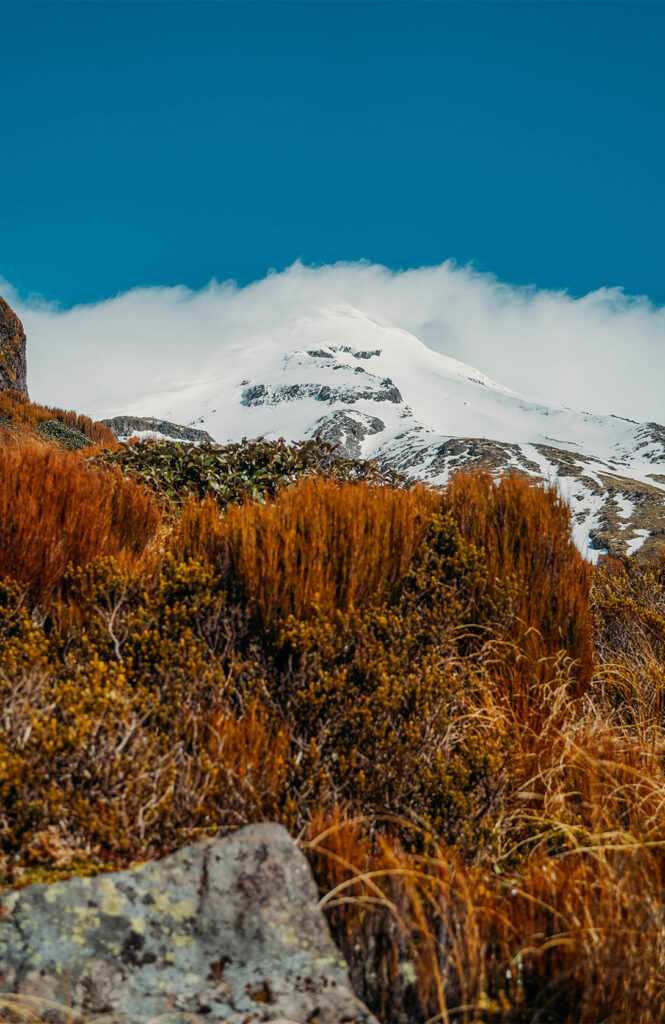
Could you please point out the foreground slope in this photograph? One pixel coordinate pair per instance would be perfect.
(404, 678)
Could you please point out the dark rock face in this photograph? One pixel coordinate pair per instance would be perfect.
(362, 354)
(125, 427)
(347, 429)
(652, 442)
(375, 390)
(224, 927)
(327, 353)
(13, 368)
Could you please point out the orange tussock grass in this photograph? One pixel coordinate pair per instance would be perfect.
(560, 920)
(19, 410)
(371, 894)
(524, 532)
(241, 763)
(567, 927)
(55, 510)
(318, 544)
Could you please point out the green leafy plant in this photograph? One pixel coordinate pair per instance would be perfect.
(66, 437)
(247, 471)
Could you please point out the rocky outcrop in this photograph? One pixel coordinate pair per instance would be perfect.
(125, 427)
(346, 429)
(13, 367)
(226, 926)
(373, 390)
(327, 353)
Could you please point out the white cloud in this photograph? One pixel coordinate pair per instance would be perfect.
(604, 352)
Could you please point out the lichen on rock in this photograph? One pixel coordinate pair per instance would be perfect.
(226, 926)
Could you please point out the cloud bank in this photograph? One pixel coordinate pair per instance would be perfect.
(604, 352)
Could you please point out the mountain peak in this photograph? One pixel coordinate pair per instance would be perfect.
(377, 391)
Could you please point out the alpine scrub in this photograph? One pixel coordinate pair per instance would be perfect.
(458, 719)
(249, 471)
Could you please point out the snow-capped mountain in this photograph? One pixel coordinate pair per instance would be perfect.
(378, 392)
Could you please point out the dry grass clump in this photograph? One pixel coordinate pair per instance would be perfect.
(320, 544)
(405, 678)
(54, 510)
(563, 924)
(529, 551)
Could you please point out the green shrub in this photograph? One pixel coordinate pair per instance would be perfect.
(249, 471)
(66, 437)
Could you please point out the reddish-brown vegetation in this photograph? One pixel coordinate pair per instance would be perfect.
(22, 415)
(55, 510)
(529, 550)
(405, 678)
(323, 544)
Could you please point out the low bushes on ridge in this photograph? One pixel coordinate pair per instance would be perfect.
(18, 413)
(248, 471)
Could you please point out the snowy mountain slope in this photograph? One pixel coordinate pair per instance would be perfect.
(379, 392)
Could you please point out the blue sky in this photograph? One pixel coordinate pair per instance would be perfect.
(150, 143)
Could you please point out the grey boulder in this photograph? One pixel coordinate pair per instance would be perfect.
(227, 929)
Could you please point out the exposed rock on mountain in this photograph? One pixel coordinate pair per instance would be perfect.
(374, 390)
(227, 926)
(125, 427)
(13, 368)
(611, 511)
(347, 429)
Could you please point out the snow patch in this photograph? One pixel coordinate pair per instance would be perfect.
(638, 540)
